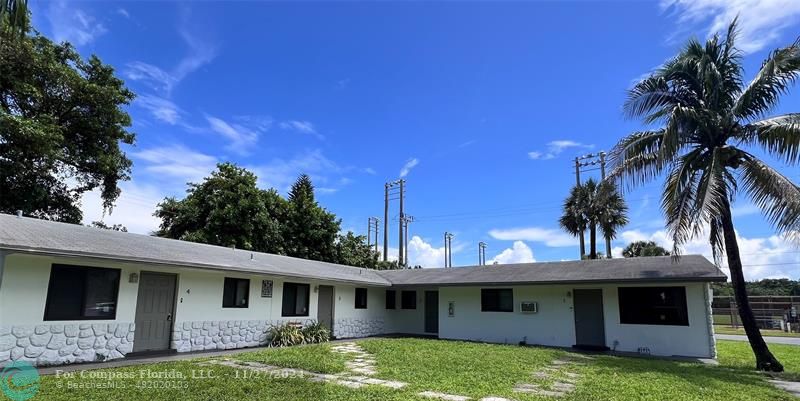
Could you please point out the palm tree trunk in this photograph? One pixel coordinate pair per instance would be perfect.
(592, 240)
(583, 243)
(764, 358)
(608, 247)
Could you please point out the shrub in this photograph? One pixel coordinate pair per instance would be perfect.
(316, 333)
(292, 333)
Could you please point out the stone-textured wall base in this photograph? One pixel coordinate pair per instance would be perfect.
(57, 344)
(225, 334)
(354, 328)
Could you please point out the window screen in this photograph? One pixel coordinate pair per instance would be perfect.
(82, 293)
(653, 305)
(361, 298)
(236, 293)
(408, 300)
(391, 299)
(497, 300)
(295, 299)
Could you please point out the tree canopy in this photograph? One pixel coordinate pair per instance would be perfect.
(594, 205)
(643, 248)
(61, 126)
(229, 209)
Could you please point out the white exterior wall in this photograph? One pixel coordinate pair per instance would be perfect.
(200, 321)
(554, 324)
(408, 321)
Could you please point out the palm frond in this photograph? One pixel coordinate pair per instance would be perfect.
(779, 136)
(678, 197)
(777, 196)
(634, 159)
(778, 72)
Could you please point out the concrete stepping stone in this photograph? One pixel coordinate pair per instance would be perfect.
(393, 384)
(444, 396)
(792, 388)
(541, 375)
(350, 384)
(571, 375)
(562, 386)
(494, 399)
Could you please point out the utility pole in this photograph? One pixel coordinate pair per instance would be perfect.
(481, 253)
(406, 220)
(448, 251)
(386, 222)
(578, 183)
(373, 230)
(591, 160)
(401, 253)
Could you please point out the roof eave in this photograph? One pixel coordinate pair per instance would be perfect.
(165, 263)
(567, 282)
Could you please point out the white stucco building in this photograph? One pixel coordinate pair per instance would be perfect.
(78, 294)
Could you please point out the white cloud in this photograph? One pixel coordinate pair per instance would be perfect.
(767, 257)
(123, 12)
(134, 208)
(162, 109)
(518, 253)
(176, 162)
(281, 173)
(71, 24)
(411, 163)
(241, 138)
(303, 127)
(555, 148)
(424, 254)
(370, 171)
(547, 236)
(761, 22)
(201, 52)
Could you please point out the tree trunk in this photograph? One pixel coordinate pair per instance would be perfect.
(583, 242)
(592, 240)
(764, 358)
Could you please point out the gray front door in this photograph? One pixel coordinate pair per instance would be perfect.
(590, 329)
(154, 307)
(325, 306)
(431, 311)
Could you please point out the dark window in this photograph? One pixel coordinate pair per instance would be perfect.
(653, 305)
(82, 293)
(408, 300)
(497, 300)
(295, 299)
(391, 299)
(361, 298)
(236, 293)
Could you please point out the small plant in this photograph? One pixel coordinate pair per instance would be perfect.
(316, 333)
(293, 333)
(285, 335)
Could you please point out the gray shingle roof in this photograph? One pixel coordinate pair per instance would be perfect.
(47, 237)
(652, 269)
(28, 234)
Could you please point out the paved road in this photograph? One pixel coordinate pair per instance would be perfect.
(773, 340)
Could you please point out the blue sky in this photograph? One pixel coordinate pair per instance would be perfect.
(480, 105)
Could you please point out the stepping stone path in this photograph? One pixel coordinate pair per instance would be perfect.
(359, 368)
(564, 380)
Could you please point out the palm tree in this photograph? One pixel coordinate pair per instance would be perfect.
(14, 15)
(592, 205)
(708, 117)
(640, 249)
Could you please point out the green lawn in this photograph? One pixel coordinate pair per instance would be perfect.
(722, 329)
(471, 369)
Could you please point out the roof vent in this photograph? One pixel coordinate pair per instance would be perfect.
(19, 213)
(252, 257)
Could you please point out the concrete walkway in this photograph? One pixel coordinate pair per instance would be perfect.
(771, 340)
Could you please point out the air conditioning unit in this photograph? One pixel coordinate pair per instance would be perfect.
(528, 307)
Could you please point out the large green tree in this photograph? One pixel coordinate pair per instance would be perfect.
(640, 249)
(709, 117)
(310, 230)
(61, 125)
(226, 209)
(594, 206)
(353, 250)
(13, 17)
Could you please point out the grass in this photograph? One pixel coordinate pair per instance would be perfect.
(471, 369)
(316, 358)
(721, 329)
